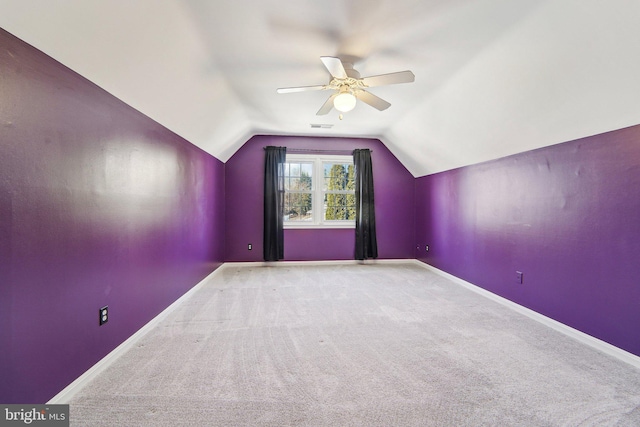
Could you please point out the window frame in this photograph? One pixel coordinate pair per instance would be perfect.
(317, 192)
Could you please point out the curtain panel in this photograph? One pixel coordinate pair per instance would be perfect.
(366, 242)
(273, 240)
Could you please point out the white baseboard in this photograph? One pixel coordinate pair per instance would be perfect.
(68, 392)
(593, 342)
(328, 262)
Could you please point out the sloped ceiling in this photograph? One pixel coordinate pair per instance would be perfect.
(493, 77)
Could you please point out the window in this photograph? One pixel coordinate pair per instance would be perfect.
(319, 191)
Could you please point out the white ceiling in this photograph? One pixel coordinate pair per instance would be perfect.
(493, 77)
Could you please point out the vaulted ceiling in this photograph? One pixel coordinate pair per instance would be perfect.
(493, 77)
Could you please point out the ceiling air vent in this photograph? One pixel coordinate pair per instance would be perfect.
(321, 125)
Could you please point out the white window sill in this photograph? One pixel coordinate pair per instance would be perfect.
(303, 226)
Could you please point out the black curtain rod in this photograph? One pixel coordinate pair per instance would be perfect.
(311, 150)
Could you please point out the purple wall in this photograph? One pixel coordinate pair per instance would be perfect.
(244, 197)
(567, 216)
(99, 205)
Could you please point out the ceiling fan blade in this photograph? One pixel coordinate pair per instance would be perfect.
(327, 106)
(335, 67)
(389, 79)
(371, 99)
(300, 89)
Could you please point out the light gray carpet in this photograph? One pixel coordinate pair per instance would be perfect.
(355, 345)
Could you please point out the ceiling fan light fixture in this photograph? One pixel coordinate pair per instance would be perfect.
(344, 102)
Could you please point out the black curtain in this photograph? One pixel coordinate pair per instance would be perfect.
(366, 243)
(273, 242)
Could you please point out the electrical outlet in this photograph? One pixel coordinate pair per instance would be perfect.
(249, 246)
(519, 277)
(426, 248)
(104, 315)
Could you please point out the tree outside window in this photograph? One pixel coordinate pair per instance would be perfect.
(298, 191)
(339, 192)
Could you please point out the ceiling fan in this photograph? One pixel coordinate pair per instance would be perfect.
(349, 86)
